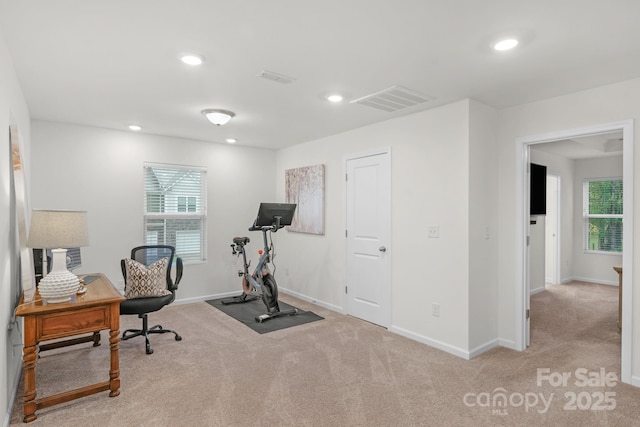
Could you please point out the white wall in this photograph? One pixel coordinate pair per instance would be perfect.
(101, 171)
(601, 105)
(14, 112)
(431, 179)
(483, 228)
(564, 168)
(593, 267)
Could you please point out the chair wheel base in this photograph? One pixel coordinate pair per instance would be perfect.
(146, 331)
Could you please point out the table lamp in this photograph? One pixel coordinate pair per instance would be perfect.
(57, 230)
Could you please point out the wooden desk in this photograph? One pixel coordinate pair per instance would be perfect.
(618, 269)
(96, 310)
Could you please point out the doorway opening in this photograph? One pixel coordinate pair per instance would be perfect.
(522, 287)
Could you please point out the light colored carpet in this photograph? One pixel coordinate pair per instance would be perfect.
(342, 371)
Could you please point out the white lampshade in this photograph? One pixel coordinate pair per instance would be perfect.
(218, 117)
(57, 230)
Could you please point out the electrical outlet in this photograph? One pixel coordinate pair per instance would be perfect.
(435, 309)
(433, 231)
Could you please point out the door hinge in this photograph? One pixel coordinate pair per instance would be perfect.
(346, 233)
(346, 290)
(528, 240)
(346, 177)
(528, 313)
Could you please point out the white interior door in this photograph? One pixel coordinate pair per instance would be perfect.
(368, 192)
(552, 231)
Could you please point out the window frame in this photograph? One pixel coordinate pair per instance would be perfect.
(187, 214)
(586, 216)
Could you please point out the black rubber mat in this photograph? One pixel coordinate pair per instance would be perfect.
(248, 311)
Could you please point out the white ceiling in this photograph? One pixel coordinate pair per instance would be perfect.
(115, 62)
(586, 147)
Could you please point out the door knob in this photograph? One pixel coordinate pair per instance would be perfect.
(382, 249)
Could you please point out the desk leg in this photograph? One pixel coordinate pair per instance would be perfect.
(29, 359)
(114, 345)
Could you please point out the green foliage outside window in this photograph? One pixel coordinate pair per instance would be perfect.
(604, 215)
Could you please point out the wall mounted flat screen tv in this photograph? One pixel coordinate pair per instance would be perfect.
(538, 190)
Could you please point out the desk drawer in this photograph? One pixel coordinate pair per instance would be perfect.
(58, 325)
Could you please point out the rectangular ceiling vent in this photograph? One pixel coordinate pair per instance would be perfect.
(275, 77)
(393, 99)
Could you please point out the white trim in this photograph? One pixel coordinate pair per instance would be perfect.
(322, 304)
(511, 345)
(536, 291)
(483, 348)
(431, 343)
(522, 148)
(590, 280)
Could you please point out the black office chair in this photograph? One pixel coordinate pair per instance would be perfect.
(141, 306)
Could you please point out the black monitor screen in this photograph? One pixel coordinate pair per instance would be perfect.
(538, 190)
(268, 211)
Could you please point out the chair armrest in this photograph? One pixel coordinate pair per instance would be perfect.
(178, 273)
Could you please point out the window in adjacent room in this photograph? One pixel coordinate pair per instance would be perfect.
(602, 212)
(175, 209)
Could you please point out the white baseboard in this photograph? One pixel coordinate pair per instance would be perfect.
(484, 348)
(511, 345)
(322, 304)
(635, 381)
(431, 342)
(590, 280)
(536, 291)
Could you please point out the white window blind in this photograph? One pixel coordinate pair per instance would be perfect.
(175, 209)
(602, 213)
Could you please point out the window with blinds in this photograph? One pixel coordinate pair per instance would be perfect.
(175, 209)
(602, 213)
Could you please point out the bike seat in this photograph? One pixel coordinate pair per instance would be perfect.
(241, 241)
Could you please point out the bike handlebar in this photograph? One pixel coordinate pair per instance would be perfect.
(273, 228)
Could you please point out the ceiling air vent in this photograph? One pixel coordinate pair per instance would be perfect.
(393, 99)
(275, 77)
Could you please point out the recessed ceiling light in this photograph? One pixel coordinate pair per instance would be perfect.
(505, 44)
(192, 59)
(335, 98)
(135, 127)
(231, 140)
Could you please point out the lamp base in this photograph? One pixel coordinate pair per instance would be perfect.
(59, 285)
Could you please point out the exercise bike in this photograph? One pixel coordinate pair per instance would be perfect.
(261, 283)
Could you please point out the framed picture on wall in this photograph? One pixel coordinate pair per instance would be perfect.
(27, 273)
(305, 187)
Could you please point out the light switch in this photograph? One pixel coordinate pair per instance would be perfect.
(433, 231)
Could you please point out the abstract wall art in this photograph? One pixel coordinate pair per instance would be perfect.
(305, 187)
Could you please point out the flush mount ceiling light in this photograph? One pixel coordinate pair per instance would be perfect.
(192, 59)
(218, 117)
(231, 140)
(135, 127)
(505, 44)
(335, 98)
